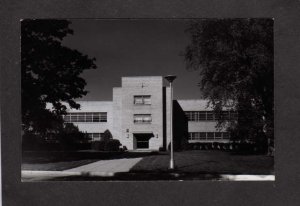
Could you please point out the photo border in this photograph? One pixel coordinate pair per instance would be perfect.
(284, 191)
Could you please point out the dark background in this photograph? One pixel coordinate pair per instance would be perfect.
(284, 191)
(133, 47)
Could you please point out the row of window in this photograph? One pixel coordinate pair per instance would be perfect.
(142, 99)
(86, 117)
(146, 118)
(102, 117)
(95, 136)
(208, 135)
(142, 118)
(197, 116)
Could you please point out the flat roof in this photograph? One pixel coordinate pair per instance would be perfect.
(143, 77)
(206, 100)
(93, 101)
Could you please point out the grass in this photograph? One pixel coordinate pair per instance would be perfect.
(207, 162)
(55, 166)
(190, 163)
(63, 160)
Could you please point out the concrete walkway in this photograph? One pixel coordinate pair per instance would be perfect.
(107, 166)
(104, 168)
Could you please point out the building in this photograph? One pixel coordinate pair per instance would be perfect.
(138, 117)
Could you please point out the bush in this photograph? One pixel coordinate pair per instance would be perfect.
(109, 145)
(113, 145)
(187, 146)
(68, 138)
(98, 145)
(161, 149)
(30, 142)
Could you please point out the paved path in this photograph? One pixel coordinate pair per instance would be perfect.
(107, 166)
(99, 168)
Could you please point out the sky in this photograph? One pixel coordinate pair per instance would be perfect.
(133, 48)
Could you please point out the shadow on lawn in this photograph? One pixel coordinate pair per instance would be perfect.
(143, 176)
(39, 157)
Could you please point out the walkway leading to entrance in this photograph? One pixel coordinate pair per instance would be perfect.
(107, 166)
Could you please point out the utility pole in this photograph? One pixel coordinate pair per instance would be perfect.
(170, 79)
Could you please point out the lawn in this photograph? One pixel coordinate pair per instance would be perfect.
(189, 164)
(63, 160)
(194, 161)
(55, 166)
(207, 162)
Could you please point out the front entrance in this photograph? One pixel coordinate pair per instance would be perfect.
(142, 140)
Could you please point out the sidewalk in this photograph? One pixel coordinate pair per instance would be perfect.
(107, 166)
(104, 168)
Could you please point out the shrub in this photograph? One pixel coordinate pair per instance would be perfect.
(161, 149)
(106, 145)
(107, 135)
(113, 145)
(98, 145)
(30, 142)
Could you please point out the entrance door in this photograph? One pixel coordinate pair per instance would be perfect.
(142, 140)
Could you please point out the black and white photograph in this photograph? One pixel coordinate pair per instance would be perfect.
(147, 99)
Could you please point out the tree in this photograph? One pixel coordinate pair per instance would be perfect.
(50, 74)
(107, 135)
(69, 136)
(235, 60)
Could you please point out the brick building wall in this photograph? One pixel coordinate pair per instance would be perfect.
(95, 107)
(123, 111)
(142, 86)
(205, 126)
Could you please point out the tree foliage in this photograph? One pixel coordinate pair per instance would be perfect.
(107, 135)
(235, 60)
(50, 73)
(62, 137)
(69, 136)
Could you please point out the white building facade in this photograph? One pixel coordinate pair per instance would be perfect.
(138, 116)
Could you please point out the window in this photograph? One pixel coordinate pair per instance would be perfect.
(202, 135)
(225, 115)
(80, 118)
(86, 117)
(73, 118)
(210, 116)
(95, 136)
(208, 135)
(202, 116)
(192, 136)
(197, 116)
(188, 116)
(96, 117)
(142, 118)
(142, 99)
(218, 135)
(225, 135)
